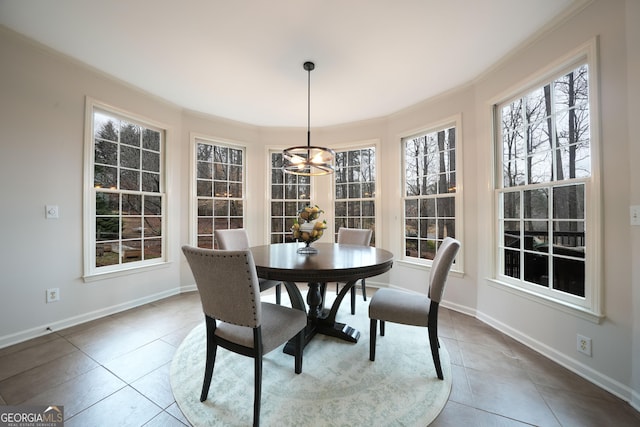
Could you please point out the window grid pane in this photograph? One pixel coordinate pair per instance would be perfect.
(355, 188)
(127, 185)
(430, 191)
(219, 190)
(545, 163)
(289, 193)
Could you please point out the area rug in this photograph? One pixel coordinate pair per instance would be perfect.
(338, 385)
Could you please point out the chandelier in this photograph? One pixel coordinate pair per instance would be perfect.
(308, 160)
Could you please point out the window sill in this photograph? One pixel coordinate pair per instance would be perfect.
(572, 309)
(427, 267)
(124, 272)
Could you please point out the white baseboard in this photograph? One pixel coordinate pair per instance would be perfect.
(459, 308)
(48, 328)
(635, 400)
(615, 387)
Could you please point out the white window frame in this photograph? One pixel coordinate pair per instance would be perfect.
(195, 139)
(300, 201)
(373, 144)
(455, 122)
(589, 307)
(91, 272)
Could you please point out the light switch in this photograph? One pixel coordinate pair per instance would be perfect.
(635, 215)
(51, 211)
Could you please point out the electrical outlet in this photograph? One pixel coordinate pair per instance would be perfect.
(584, 345)
(53, 295)
(634, 211)
(51, 212)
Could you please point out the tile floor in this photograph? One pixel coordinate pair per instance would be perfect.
(115, 372)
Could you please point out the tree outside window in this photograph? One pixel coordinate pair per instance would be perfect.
(546, 165)
(355, 189)
(430, 191)
(219, 190)
(289, 193)
(128, 213)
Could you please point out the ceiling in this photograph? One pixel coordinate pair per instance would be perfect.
(242, 60)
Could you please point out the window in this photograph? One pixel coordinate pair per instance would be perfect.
(126, 213)
(431, 198)
(219, 189)
(289, 194)
(355, 189)
(545, 184)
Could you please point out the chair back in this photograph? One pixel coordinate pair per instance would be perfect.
(354, 236)
(441, 266)
(228, 284)
(232, 240)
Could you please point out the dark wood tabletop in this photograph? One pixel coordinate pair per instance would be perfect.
(332, 263)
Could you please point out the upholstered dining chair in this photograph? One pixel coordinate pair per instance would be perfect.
(235, 317)
(392, 305)
(354, 236)
(237, 239)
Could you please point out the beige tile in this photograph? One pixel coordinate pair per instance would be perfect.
(455, 415)
(176, 337)
(576, 409)
(458, 415)
(177, 413)
(136, 364)
(156, 386)
(488, 419)
(27, 384)
(180, 305)
(107, 342)
(33, 356)
(81, 392)
(446, 331)
(103, 329)
(453, 348)
(510, 397)
(460, 388)
(30, 343)
(492, 360)
(559, 378)
(83, 326)
(124, 408)
(164, 419)
(497, 381)
(480, 333)
(150, 319)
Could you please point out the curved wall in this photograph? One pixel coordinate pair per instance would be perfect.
(41, 137)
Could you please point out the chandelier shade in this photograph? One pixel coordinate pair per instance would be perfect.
(308, 160)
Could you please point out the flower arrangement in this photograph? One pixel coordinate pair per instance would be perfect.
(307, 227)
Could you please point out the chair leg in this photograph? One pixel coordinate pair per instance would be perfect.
(435, 354)
(353, 299)
(382, 328)
(258, 391)
(364, 290)
(372, 339)
(278, 294)
(299, 339)
(212, 348)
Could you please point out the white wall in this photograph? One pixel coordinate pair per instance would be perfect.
(551, 331)
(633, 90)
(42, 101)
(41, 162)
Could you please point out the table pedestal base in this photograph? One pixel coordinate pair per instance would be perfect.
(319, 319)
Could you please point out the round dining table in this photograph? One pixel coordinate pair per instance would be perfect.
(333, 262)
